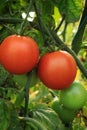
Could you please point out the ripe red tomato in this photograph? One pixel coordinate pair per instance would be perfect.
(18, 54)
(57, 70)
(74, 97)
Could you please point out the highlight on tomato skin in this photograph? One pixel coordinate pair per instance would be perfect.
(57, 70)
(19, 54)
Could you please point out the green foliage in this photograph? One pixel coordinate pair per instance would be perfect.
(24, 100)
(48, 116)
(3, 75)
(4, 115)
(72, 11)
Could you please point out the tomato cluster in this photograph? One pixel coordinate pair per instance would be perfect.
(57, 70)
(20, 54)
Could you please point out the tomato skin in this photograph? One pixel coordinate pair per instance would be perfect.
(74, 97)
(18, 54)
(57, 70)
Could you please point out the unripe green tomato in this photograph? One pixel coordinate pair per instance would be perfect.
(74, 97)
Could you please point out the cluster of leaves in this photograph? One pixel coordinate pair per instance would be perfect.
(54, 23)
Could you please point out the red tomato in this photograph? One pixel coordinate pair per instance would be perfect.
(19, 54)
(57, 70)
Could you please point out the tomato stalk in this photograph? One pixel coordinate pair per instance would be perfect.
(27, 87)
(25, 20)
(39, 20)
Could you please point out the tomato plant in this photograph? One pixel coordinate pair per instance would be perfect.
(24, 101)
(74, 97)
(57, 70)
(19, 54)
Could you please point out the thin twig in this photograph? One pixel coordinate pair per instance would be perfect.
(61, 22)
(39, 20)
(25, 20)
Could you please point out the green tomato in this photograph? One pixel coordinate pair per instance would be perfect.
(66, 115)
(74, 97)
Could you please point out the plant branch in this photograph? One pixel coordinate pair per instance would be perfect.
(77, 40)
(25, 20)
(10, 20)
(39, 20)
(84, 13)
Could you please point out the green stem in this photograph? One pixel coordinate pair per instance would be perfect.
(64, 32)
(25, 20)
(12, 31)
(39, 20)
(10, 20)
(79, 63)
(77, 40)
(27, 94)
(84, 14)
(60, 24)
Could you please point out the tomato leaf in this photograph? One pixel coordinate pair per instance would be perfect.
(46, 9)
(48, 116)
(71, 9)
